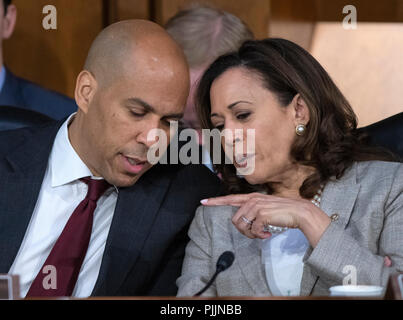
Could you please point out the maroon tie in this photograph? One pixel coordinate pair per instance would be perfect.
(68, 253)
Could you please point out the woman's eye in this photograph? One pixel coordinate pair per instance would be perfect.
(242, 116)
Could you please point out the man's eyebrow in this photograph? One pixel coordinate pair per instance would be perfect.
(142, 103)
(149, 108)
(231, 106)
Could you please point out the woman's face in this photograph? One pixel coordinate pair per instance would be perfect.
(240, 101)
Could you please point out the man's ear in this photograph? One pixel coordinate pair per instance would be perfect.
(9, 21)
(86, 86)
(300, 110)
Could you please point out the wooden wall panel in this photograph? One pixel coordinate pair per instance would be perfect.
(129, 9)
(367, 10)
(53, 58)
(293, 20)
(255, 13)
(366, 64)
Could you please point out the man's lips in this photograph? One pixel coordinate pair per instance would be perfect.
(133, 164)
(135, 160)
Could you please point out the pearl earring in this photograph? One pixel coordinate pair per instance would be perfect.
(300, 129)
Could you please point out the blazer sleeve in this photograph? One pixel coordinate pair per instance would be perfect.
(197, 267)
(337, 252)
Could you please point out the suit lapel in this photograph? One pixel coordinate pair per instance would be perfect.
(339, 197)
(248, 256)
(19, 191)
(135, 213)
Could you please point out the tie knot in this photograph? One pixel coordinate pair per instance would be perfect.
(96, 188)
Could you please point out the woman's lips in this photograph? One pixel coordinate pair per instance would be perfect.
(242, 161)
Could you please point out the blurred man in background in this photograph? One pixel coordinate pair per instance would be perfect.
(204, 33)
(18, 92)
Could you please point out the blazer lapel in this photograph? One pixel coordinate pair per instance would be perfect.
(248, 256)
(135, 212)
(338, 197)
(19, 192)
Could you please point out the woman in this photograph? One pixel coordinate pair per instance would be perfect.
(341, 202)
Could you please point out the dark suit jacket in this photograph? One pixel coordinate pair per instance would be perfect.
(146, 242)
(21, 93)
(387, 133)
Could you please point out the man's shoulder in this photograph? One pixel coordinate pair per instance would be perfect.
(36, 91)
(13, 139)
(43, 100)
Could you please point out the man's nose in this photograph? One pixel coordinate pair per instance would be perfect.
(151, 133)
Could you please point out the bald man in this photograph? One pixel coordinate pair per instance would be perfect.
(82, 211)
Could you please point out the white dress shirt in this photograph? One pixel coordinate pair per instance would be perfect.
(60, 194)
(282, 255)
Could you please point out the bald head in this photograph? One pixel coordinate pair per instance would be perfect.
(129, 45)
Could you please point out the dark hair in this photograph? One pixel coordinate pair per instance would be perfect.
(6, 3)
(331, 143)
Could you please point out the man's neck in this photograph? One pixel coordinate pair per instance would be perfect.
(74, 130)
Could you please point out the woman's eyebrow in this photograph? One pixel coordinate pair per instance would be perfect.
(230, 106)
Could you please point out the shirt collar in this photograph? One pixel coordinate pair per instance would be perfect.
(65, 164)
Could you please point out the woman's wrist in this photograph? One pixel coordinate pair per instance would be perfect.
(313, 223)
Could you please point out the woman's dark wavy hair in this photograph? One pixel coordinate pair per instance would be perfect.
(331, 143)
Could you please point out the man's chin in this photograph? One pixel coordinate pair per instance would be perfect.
(126, 180)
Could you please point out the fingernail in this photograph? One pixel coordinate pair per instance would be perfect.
(204, 201)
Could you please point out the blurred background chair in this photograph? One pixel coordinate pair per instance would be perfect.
(14, 118)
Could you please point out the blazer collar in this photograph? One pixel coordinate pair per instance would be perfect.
(338, 197)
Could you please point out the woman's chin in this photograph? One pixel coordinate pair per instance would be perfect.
(251, 176)
(253, 179)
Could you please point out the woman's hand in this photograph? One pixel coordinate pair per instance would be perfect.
(261, 209)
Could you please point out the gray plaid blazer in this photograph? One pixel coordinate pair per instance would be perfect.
(369, 202)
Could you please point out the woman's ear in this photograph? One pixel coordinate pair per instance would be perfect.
(9, 21)
(86, 86)
(300, 110)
